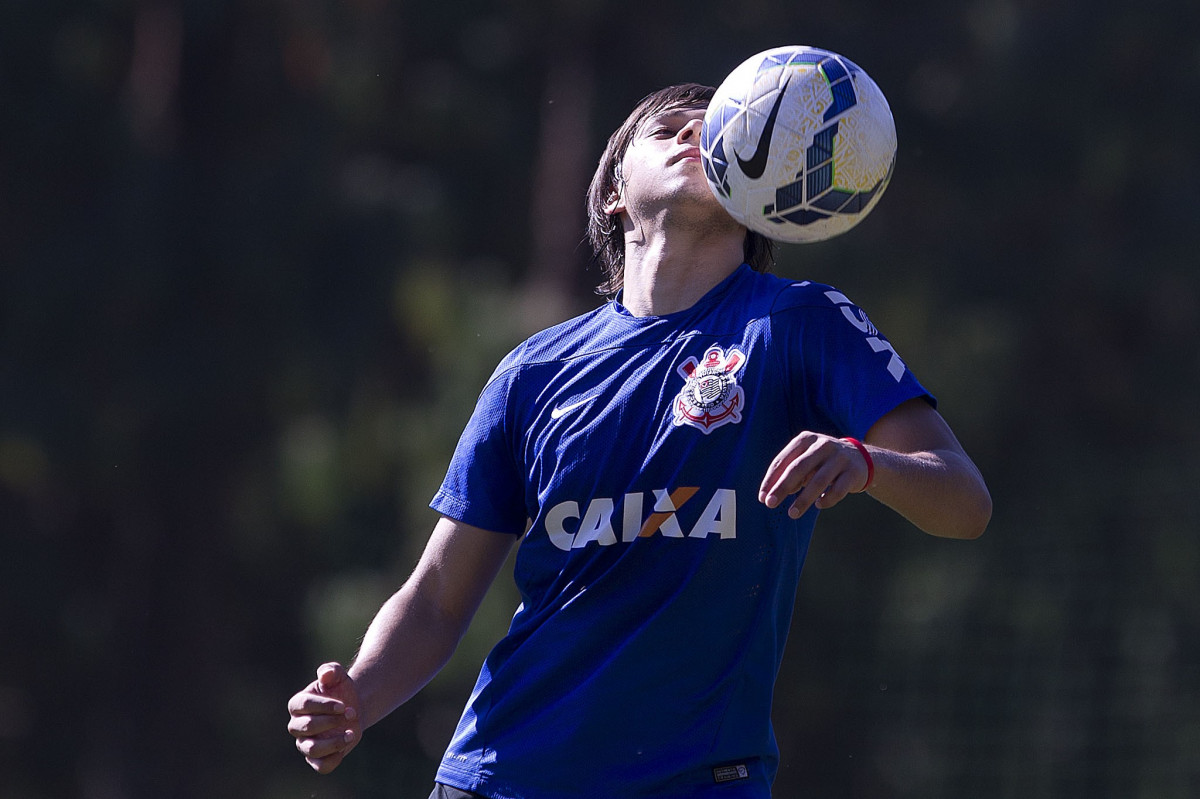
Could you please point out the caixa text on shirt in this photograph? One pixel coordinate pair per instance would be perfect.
(572, 527)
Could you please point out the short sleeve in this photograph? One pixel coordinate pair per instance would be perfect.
(483, 485)
(843, 372)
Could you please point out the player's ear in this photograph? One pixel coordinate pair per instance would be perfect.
(615, 203)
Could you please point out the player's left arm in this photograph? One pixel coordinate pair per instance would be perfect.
(923, 473)
(920, 471)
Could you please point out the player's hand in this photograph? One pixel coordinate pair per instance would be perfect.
(819, 469)
(325, 718)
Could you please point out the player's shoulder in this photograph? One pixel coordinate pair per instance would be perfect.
(555, 343)
(784, 294)
(803, 294)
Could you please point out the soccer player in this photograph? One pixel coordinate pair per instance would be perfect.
(662, 461)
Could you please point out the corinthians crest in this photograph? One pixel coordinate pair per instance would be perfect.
(710, 396)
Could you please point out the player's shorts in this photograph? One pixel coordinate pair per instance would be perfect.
(446, 792)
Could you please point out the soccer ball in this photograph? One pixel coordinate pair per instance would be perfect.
(798, 144)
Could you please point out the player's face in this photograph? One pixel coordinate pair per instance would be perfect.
(661, 167)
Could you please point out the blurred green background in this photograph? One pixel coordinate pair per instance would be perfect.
(257, 259)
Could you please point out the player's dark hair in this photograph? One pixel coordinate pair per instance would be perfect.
(604, 230)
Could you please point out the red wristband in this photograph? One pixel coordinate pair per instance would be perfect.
(867, 457)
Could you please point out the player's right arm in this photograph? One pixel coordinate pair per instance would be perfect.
(412, 636)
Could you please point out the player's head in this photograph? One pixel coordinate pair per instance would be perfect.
(604, 229)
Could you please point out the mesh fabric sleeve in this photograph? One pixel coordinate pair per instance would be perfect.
(483, 484)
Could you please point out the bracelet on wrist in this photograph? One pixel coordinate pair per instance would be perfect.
(867, 457)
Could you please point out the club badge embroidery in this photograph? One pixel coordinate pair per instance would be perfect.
(710, 396)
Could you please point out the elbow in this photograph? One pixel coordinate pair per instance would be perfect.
(964, 517)
(974, 507)
(976, 517)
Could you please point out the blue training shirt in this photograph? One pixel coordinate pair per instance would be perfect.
(656, 591)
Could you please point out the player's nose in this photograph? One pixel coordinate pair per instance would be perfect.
(690, 131)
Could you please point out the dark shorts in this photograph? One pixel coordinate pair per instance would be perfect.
(446, 792)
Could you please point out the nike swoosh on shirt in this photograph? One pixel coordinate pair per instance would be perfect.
(559, 411)
(754, 167)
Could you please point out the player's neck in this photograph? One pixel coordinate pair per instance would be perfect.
(666, 274)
